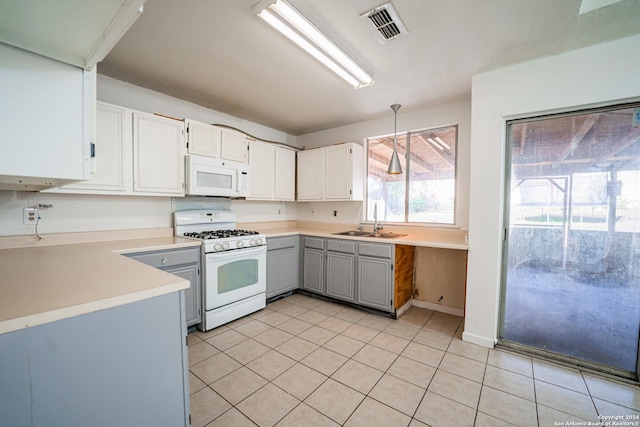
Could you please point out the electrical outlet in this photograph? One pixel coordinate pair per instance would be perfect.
(313, 212)
(30, 216)
(278, 211)
(335, 213)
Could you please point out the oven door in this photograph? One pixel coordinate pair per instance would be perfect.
(234, 275)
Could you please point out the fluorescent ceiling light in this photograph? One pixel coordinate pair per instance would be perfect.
(284, 18)
(441, 142)
(433, 142)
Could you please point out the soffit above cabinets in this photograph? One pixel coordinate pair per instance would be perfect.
(76, 32)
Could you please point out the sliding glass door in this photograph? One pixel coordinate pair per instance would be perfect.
(571, 266)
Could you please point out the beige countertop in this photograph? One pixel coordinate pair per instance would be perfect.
(434, 238)
(58, 278)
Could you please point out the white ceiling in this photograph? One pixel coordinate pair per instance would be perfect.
(219, 54)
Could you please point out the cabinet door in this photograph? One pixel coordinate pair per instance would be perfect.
(313, 265)
(375, 283)
(158, 155)
(233, 146)
(285, 174)
(338, 180)
(261, 174)
(311, 174)
(282, 271)
(112, 151)
(192, 302)
(340, 275)
(203, 139)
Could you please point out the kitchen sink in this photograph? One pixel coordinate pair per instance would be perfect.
(352, 233)
(368, 234)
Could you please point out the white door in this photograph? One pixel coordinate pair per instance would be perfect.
(285, 174)
(203, 139)
(158, 154)
(112, 151)
(233, 146)
(261, 173)
(311, 174)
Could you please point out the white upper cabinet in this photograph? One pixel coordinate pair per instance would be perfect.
(112, 151)
(233, 145)
(344, 172)
(285, 174)
(76, 32)
(261, 162)
(158, 154)
(203, 139)
(272, 175)
(311, 174)
(331, 173)
(46, 120)
(135, 154)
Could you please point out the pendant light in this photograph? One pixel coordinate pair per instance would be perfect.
(394, 164)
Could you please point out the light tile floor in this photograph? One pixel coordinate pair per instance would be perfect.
(306, 362)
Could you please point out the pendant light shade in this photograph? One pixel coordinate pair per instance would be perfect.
(394, 165)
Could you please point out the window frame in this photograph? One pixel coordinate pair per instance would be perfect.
(406, 172)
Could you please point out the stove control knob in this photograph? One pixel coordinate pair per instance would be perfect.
(252, 242)
(240, 244)
(259, 242)
(225, 246)
(217, 247)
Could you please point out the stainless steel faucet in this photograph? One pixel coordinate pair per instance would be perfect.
(376, 227)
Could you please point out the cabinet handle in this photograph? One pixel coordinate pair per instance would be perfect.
(164, 260)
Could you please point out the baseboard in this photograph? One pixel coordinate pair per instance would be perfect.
(437, 307)
(403, 309)
(477, 339)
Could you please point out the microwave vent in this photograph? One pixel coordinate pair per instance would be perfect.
(386, 22)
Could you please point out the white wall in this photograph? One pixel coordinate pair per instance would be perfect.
(598, 75)
(453, 113)
(77, 213)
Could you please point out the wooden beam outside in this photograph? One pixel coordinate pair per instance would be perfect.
(577, 137)
(631, 138)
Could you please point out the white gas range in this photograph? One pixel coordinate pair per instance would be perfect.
(234, 264)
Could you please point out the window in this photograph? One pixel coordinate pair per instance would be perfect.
(425, 191)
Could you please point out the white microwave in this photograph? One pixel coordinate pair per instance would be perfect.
(207, 176)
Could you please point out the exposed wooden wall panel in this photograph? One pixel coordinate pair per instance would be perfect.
(403, 275)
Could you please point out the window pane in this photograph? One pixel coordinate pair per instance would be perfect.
(387, 191)
(432, 175)
(431, 168)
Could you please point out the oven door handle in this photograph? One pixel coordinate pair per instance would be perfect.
(236, 253)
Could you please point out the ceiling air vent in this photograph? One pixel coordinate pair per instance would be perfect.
(386, 21)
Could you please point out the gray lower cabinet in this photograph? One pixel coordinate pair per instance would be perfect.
(375, 275)
(341, 261)
(282, 265)
(359, 272)
(122, 366)
(185, 263)
(313, 264)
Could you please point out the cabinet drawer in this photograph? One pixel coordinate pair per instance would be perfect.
(282, 242)
(341, 246)
(314, 242)
(377, 250)
(163, 259)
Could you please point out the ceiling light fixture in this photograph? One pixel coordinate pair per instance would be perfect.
(293, 25)
(441, 142)
(435, 143)
(394, 164)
